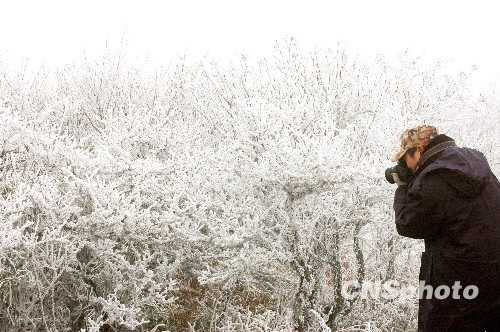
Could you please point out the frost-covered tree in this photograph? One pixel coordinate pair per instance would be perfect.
(214, 196)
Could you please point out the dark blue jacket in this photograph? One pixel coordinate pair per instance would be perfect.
(453, 203)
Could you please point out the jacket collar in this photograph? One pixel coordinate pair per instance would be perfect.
(436, 145)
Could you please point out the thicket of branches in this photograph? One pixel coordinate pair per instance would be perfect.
(214, 196)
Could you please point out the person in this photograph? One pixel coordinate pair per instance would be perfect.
(448, 196)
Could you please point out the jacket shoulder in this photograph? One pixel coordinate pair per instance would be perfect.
(431, 182)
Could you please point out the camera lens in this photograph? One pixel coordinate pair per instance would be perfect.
(388, 174)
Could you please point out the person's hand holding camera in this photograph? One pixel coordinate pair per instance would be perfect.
(399, 174)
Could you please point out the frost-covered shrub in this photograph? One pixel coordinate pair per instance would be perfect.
(214, 196)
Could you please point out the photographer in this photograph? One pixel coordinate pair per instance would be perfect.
(448, 196)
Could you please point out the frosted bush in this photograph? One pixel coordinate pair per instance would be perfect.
(213, 196)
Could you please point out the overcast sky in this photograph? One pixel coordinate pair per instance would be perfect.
(58, 31)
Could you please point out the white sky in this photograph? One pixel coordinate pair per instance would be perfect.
(58, 31)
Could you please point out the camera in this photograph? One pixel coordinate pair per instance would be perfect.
(403, 173)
